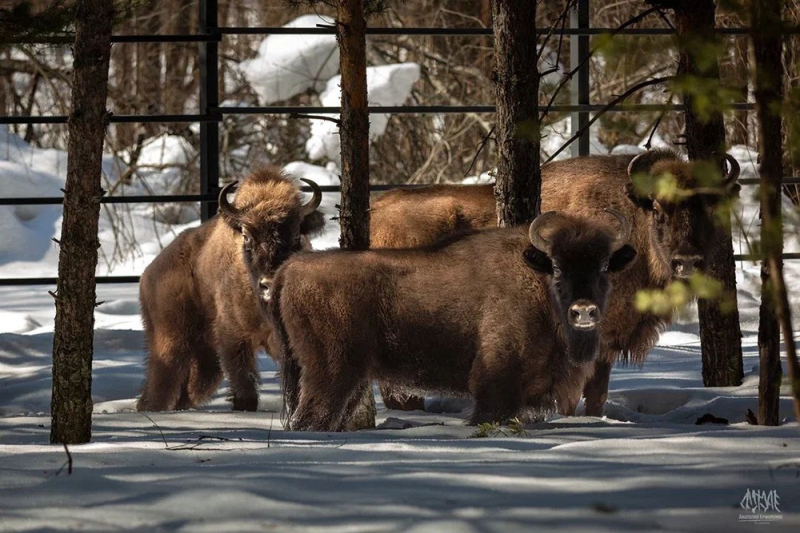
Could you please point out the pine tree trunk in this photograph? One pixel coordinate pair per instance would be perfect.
(720, 334)
(774, 312)
(354, 135)
(519, 180)
(75, 298)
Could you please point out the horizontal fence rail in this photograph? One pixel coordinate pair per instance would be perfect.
(217, 35)
(300, 111)
(176, 198)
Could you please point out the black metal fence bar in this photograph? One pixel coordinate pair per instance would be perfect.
(579, 95)
(209, 100)
(152, 199)
(395, 110)
(444, 32)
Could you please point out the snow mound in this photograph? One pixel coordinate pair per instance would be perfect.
(287, 65)
(387, 85)
(326, 175)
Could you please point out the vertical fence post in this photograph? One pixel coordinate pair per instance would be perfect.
(209, 101)
(579, 93)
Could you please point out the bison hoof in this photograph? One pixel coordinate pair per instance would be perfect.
(245, 404)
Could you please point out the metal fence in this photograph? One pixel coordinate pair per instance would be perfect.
(212, 113)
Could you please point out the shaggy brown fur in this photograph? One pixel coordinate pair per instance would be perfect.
(673, 238)
(200, 296)
(487, 314)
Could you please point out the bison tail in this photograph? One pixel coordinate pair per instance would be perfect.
(289, 367)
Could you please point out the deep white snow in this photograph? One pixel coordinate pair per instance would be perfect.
(387, 85)
(287, 65)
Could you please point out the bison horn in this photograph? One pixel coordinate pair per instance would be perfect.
(225, 206)
(316, 198)
(733, 172)
(624, 233)
(633, 166)
(534, 233)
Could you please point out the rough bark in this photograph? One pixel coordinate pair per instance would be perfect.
(354, 135)
(75, 297)
(774, 312)
(720, 334)
(519, 180)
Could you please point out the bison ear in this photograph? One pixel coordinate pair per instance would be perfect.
(538, 260)
(645, 202)
(312, 223)
(621, 259)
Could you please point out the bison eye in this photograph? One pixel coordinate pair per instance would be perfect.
(248, 240)
(604, 267)
(556, 270)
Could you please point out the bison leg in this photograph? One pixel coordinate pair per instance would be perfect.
(356, 415)
(567, 406)
(205, 376)
(325, 397)
(394, 399)
(166, 376)
(241, 368)
(596, 389)
(497, 393)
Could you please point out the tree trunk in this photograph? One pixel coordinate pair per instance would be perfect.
(720, 334)
(774, 312)
(149, 88)
(354, 134)
(519, 180)
(75, 297)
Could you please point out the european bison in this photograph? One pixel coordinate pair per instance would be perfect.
(510, 316)
(673, 237)
(202, 296)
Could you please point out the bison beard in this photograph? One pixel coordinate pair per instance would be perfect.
(475, 315)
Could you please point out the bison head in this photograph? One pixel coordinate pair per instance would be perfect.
(578, 256)
(682, 220)
(272, 220)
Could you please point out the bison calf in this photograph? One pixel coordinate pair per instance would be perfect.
(510, 316)
(201, 297)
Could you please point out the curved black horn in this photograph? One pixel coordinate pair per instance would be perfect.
(632, 165)
(733, 170)
(536, 227)
(316, 198)
(225, 206)
(624, 233)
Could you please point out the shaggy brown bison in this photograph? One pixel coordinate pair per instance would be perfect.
(201, 296)
(510, 316)
(673, 237)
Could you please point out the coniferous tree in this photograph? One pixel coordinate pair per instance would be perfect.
(71, 402)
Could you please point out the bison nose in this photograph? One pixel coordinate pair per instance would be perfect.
(264, 284)
(584, 315)
(683, 266)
